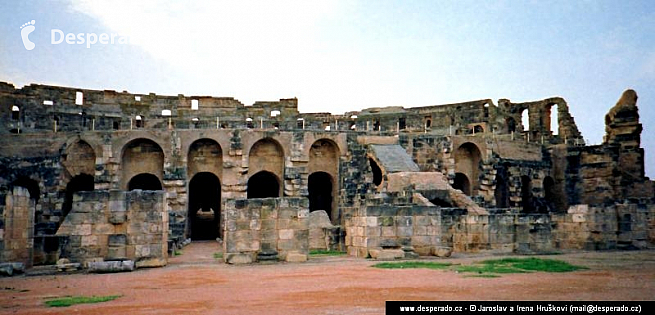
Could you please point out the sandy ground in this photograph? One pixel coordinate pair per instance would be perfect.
(195, 282)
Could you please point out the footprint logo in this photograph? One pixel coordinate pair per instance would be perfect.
(25, 31)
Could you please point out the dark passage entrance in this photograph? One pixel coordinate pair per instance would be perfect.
(144, 181)
(462, 183)
(263, 185)
(320, 192)
(204, 206)
(82, 182)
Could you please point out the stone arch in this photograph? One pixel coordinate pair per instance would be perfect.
(467, 162)
(81, 182)
(80, 158)
(141, 156)
(204, 207)
(144, 181)
(266, 155)
(31, 185)
(264, 184)
(526, 194)
(525, 119)
(552, 119)
(205, 155)
(321, 193)
(462, 183)
(324, 159)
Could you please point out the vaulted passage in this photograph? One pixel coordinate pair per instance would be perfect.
(141, 156)
(204, 207)
(462, 183)
(82, 182)
(144, 181)
(467, 162)
(501, 193)
(263, 185)
(320, 192)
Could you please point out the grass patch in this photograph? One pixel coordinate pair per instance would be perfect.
(218, 255)
(72, 300)
(412, 264)
(321, 252)
(519, 265)
(177, 253)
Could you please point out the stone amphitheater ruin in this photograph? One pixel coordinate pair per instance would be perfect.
(104, 176)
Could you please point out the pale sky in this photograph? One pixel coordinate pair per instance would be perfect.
(337, 56)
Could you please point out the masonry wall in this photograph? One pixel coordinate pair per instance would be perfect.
(116, 225)
(270, 226)
(17, 232)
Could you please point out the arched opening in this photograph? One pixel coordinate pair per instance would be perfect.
(462, 183)
(144, 181)
(204, 207)
(511, 124)
(266, 155)
(139, 121)
(501, 194)
(526, 194)
(141, 156)
(324, 159)
(320, 192)
(467, 162)
(31, 185)
(377, 172)
(80, 158)
(205, 155)
(82, 182)
(525, 120)
(554, 119)
(15, 113)
(263, 185)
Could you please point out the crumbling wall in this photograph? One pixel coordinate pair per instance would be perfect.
(618, 226)
(116, 225)
(17, 231)
(266, 229)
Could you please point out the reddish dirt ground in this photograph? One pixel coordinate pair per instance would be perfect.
(195, 282)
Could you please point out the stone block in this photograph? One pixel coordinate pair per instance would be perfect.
(111, 266)
(387, 254)
(151, 262)
(114, 253)
(286, 234)
(296, 257)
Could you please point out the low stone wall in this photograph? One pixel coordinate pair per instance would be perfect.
(385, 227)
(427, 229)
(116, 225)
(266, 229)
(620, 226)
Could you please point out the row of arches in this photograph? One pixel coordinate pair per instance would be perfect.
(142, 167)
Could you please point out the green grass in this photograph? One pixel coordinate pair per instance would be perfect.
(492, 268)
(519, 265)
(72, 300)
(412, 264)
(218, 255)
(321, 252)
(177, 253)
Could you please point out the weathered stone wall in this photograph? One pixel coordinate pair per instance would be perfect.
(619, 226)
(269, 228)
(116, 225)
(17, 233)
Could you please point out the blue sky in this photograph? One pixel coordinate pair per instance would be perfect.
(337, 56)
